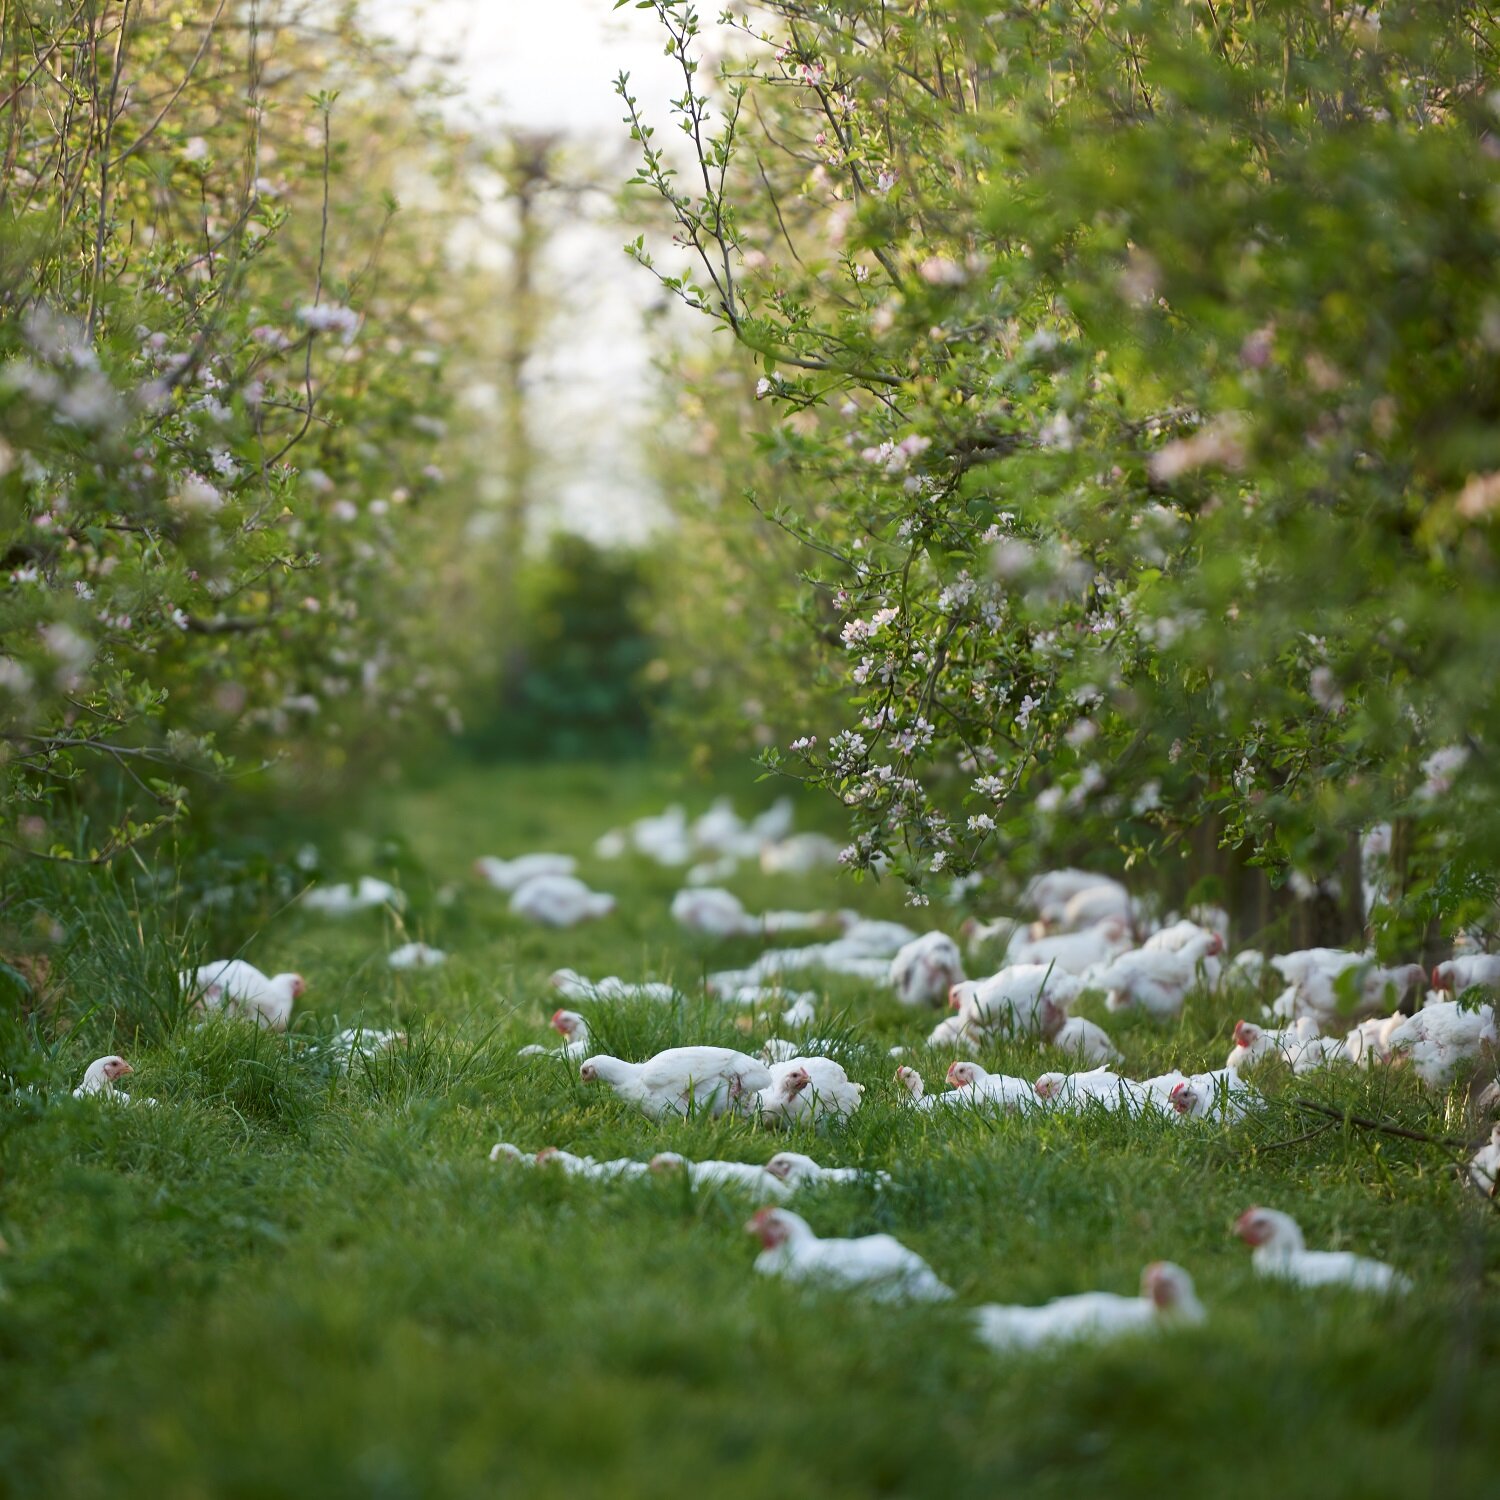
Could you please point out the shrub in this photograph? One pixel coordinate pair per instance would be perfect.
(1141, 356)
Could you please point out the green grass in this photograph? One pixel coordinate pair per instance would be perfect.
(288, 1281)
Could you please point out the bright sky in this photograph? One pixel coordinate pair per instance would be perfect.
(549, 65)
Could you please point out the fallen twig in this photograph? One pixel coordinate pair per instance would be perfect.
(1297, 1140)
(1383, 1126)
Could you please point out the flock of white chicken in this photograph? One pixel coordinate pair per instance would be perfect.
(1088, 935)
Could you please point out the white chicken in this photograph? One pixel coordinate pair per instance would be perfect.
(559, 901)
(574, 1031)
(811, 1089)
(773, 995)
(1220, 1095)
(1153, 980)
(1167, 1298)
(1103, 900)
(1087, 1041)
(99, 1081)
(586, 1166)
(720, 914)
(991, 1090)
(712, 912)
(344, 899)
(774, 824)
(1299, 1045)
(1073, 952)
(681, 1080)
(773, 1105)
(1026, 999)
(663, 837)
(1073, 1093)
(737, 1174)
(358, 1041)
(711, 871)
(867, 937)
(611, 845)
(1441, 1038)
(797, 1170)
(876, 1264)
(720, 830)
(803, 1011)
(1280, 1251)
(864, 951)
(1065, 900)
(925, 969)
(973, 1087)
(1484, 1168)
(1328, 983)
(1369, 1042)
(1459, 974)
(1058, 887)
(1183, 934)
(800, 854)
(415, 956)
(511, 874)
(572, 985)
(1247, 968)
(232, 987)
(952, 1031)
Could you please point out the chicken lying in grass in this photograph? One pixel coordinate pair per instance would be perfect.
(863, 951)
(559, 901)
(797, 1170)
(344, 900)
(925, 969)
(1072, 952)
(415, 956)
(1300, 1046)
(1369, 1042)
(1220, 1095)
(511, 874)
(682, 1080)
(973, 1087)
(1280, 1251)
(1073, 1093)
(356, 1041)
(565, 1162)
(876, 1264)
(736, 1174)
(714, 912)
(1156, 980)
(1321, 982)
(100, 1078)
(1466, 971)
(1023, 1000)
(1067, 900)
(572, 985)
(232, 987)
(1441, 1038)
(1167, 1298)
(574, 1031)
(809, 1090)
(1086, 1041)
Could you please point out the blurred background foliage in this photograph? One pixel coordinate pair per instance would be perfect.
(1097, 463)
